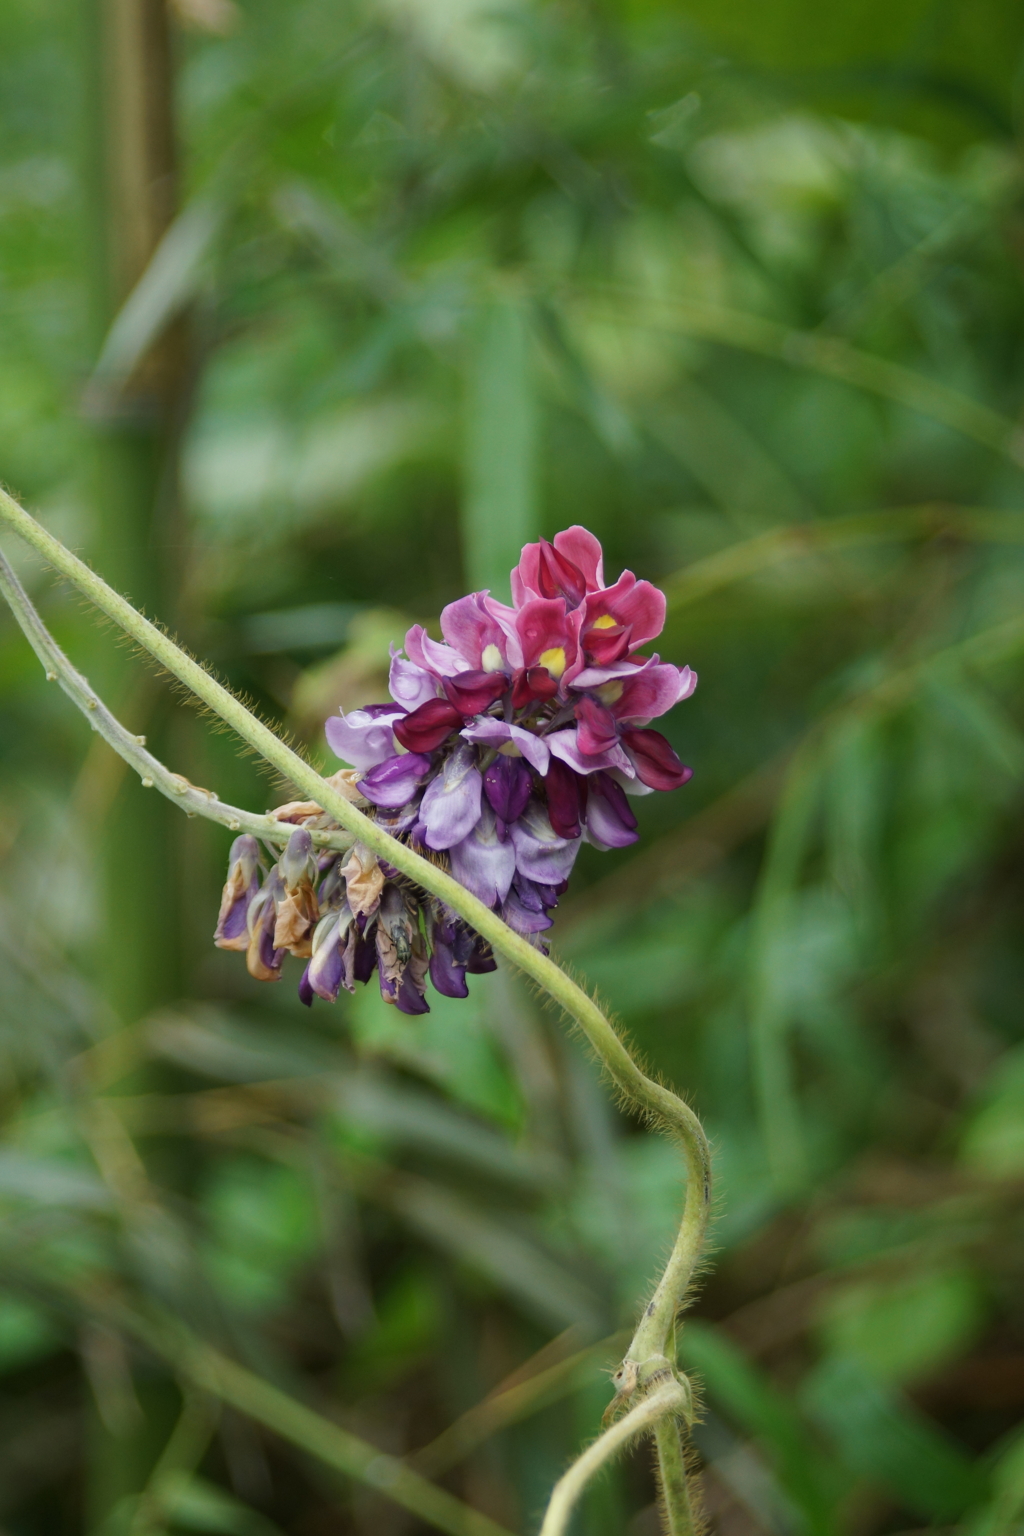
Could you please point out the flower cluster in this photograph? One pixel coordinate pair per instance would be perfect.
(505, 746)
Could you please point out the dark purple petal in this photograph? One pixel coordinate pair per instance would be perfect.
(522, 918)
(507, 785)
(306, 993)
(657, 764)
(324, 971)
(610, 822)
(364, 958)
(473, 692)
(394, 782)
(529, 893)
(448, 977)
(567, 795)
(481, 959)
(409, 998)
(532, 684)
(450, 807)
(429, 725)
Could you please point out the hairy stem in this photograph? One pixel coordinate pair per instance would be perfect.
(154, 775)
(652, 1099)
(664, 1404)
(680, 1519)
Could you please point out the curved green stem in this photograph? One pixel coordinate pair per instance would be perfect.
(680, 1516)
(661, 1406)
(651, 1098)
(193, 800)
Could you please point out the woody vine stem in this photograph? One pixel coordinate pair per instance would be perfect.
(651, 1394)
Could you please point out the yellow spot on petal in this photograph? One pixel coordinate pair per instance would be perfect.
(605, 622)
(490, 661)
(609, 693)
(554, 660)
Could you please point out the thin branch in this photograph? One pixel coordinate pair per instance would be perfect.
(669, 1400)
(154, 775)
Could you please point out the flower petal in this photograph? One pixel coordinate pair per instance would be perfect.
(472, 629)
(394, 782)
(507, 785)
(563, 744)
(497, 733)
(637, 603)
(548, 633)
(474, 692)
(428, 726)
(583, 548)
(558, 576)
(651, 692)
(597, 729)
(362, 739)
(482, 863)
(409, 684)
(610, 822)
(540, 853)
(657, 762)
(450, 806)
(439, 659)
(567, 795)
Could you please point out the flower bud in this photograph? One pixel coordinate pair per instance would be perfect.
(297, 911)
(262, 957)
(241, 886)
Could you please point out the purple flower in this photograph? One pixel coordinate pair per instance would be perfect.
(540, 853)
(492, 732)
(507, 785)
(565, 745)
(450, 807)
(326, 970)
(448, 958)
(610, 822)
(394, 782)
(241, 886)
(482, 862)
(408, 684)
(361, 738)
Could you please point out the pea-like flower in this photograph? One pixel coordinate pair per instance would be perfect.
(518, 736)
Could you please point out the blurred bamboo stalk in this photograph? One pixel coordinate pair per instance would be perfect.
(128, 64)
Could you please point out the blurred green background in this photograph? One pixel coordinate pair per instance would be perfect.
(311, 311)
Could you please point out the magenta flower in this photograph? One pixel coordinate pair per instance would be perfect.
(508, 743)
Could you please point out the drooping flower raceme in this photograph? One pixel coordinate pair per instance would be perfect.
(505, 746)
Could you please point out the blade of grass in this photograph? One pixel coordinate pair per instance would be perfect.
(836, 359)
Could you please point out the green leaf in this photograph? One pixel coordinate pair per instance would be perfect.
(500, 505)
(886, 1440)
(900, 1329)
